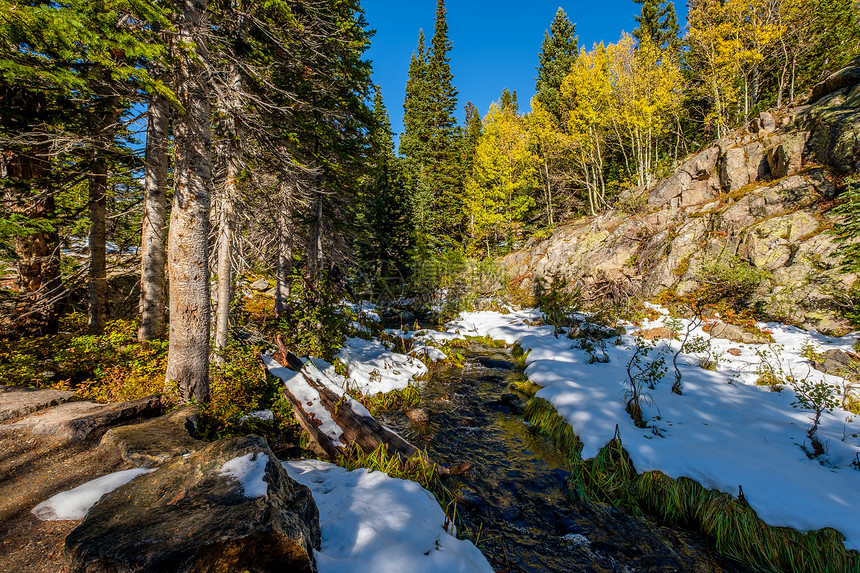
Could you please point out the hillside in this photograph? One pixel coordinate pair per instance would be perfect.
(760, 199)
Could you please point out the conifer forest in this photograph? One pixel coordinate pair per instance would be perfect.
(245, 322)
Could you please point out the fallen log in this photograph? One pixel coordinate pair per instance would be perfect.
(353, 422)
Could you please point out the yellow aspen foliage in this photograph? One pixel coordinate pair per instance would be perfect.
(498, 192)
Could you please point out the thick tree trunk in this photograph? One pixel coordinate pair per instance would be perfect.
(98, 181)
(187, 243)
(29, 194)
(153, 253)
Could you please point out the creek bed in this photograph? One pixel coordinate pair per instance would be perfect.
(513, 501)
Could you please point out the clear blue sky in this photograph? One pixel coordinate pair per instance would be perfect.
(496, 42)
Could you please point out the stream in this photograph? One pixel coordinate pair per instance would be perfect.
(513, 502)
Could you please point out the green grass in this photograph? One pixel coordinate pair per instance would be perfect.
(728, 522)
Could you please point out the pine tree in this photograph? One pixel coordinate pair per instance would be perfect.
(658, 23)
(558, 52)
(416, 109)
(386, 212)
(444, 164)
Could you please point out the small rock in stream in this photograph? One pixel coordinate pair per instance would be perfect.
(513, 402)
(418, 415)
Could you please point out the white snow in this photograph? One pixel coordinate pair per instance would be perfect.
(75, 503)
(249, 471)
(262, 415)
(308, 396)
(377, 524)
(723, 432)
(373, 368)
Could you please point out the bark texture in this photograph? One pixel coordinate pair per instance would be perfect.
(153, 287)
(284, 265)
(28, 192)
(98, 181)
(187, 247)
(230, 152)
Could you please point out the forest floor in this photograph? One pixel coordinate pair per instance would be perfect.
(32, 469)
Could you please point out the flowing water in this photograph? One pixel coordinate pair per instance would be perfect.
(514, 502)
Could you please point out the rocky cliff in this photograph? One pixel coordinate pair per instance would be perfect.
(761, 197)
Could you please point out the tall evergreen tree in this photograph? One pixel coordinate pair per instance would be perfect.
(386, 211)
(558, 52)
(658, 23)
(443, 167)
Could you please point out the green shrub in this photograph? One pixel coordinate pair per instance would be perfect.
(314, 323)
(732, 280)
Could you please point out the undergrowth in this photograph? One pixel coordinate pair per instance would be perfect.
(383, 402)
(729, 522)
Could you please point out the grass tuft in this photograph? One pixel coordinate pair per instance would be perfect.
(729, 522)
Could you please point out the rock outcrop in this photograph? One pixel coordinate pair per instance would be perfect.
(759, 196)
(76, 421)
(18, 401)
(228, 507)
(155, 441)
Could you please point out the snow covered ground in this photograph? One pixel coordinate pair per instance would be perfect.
(723, 431)
(377, 524)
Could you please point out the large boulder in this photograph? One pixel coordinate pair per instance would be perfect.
(228, 507)
(786, 158)
(834, 126)
(846, 77)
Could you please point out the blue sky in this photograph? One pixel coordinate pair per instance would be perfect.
(496, 42)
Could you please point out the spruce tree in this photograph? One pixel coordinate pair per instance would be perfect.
(416, 109)
(386, 212)
(558, 52)
(443, 168)
(658, 24)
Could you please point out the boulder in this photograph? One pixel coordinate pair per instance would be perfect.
(669, 188)
(839, 363)
(834, 131)
(16, 401)
(733, 332)
(75, 421)
(259, 285)
(846, 77)
(763, 123)
(155, 441)
(701, 166)
(786, 158)
(228, 507)
(657, 333)
(734, 172)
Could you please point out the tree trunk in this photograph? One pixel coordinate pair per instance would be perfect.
(37, 253)
(315, 246)
(97, 315)
(153, 236)
(231, 155)
(187, 243)
(284, 265)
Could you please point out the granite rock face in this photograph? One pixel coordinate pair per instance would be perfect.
(755, 196)
(227, 507)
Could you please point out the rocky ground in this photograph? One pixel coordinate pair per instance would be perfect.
(190, 515)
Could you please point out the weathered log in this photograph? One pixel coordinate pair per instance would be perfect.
(357, 428)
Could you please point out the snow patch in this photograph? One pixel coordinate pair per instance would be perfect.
(75, 503)
(723, 432)
(249, 471)
(372, 523)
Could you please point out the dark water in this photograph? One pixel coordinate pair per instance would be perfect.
(514, 500)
